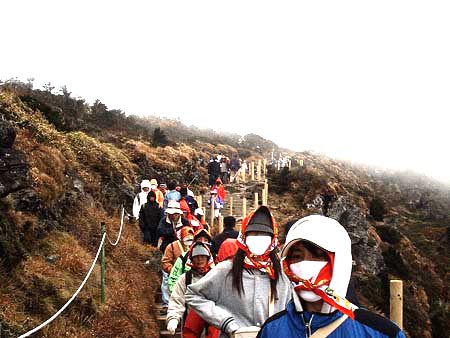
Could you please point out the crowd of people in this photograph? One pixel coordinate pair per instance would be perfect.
(243, 283)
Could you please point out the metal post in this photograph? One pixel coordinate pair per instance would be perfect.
(102, 266)
(396, 304)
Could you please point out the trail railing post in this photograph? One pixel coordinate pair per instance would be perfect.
(258, 171)
(263, 196)
(199, 200)
(244, 207)
(252, 169)
(266, 193)
(264, 168)
(102, 266)
(243, 173)
(231, 205)
(255, 203)
(211, 210)
(396, 303)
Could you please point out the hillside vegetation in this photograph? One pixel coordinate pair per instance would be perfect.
(66, 166)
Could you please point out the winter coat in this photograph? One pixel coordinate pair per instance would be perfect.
(221, 191)
(290, 323)
(171, 254)
(159, 197)
(214, 168)
(218, 202)
(150, 216)
(214, 299)
(167, 232)
(218, 240)
(192, 203)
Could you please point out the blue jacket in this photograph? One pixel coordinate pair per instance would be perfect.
(289, 324)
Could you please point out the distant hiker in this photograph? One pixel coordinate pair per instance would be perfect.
(175, 250)
(217, 202)
(220, 189)
(229, 223)
(244, 167)
(172, 195)
(169, 230)
(200, 215)
(149, 218)
(158, 193)
(236, 294)
(317, 259)
(235, 165)
(141, 198)
(163, 188)
(180, 267)
(191, 202)
(193, 222)
(227, 250)
(213, 171)
(224, 170)
(200, 261)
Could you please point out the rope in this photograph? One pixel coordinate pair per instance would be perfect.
(72, 298)
(120, 231)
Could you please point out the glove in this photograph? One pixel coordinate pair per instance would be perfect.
(232, 327)
(172, 325)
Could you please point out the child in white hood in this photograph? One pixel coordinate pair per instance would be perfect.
(141, 198)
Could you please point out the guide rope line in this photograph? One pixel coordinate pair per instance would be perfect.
(120, 231)
(73, 296)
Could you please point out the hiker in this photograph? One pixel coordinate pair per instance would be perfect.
(235, 165)
(244, 292)
(190, 200)
(172, 195)
(149, 218)
(200, 215)
(174, 251)
(169, 230)
(200, 262)
(163, 188)
(220, 189)
(141, 198)
(229, 222)
(193, 222)
(158, 193)
(213, 171)
(224, 170)
(218, 202)
(180, 267)
(317, 259)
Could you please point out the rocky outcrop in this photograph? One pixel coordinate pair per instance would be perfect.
(14, 169)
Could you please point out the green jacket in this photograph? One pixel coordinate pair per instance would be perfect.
(177, 271)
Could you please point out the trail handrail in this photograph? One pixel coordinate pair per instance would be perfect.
(73, 296)
(120, 230)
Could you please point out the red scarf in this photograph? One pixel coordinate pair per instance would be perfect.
(203, 270)
(252, 261)
(323, 278)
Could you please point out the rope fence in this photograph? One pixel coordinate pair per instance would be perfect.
(99, 250)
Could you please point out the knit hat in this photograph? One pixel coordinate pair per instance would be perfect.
(261, 221)
(199, 250)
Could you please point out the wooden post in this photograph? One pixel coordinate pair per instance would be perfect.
(199, 200)
(258, 171)
(396, 308)
(244, 207)
(266, 193)
(263, 196)
(252, 171)
(300, 163)
(231, 205)
(220, 224)
(265, 168)
(211, 210)
(102, 265)
(255, 201)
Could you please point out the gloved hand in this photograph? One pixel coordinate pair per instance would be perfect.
(172, 325)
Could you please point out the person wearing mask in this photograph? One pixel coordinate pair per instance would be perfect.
(158, 193)
(229, 222)
(169, 230)
(149, 218)
(141, 198)
(200, 215)
(200, 262)
(244, 292)
(172, 195)
(317, 259)
(180, 266)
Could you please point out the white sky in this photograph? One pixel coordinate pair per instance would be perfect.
(365, 81)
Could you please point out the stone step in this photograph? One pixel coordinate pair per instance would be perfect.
(161, 320)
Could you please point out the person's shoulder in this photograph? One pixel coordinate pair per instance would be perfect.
(377, 322)
(273, 322)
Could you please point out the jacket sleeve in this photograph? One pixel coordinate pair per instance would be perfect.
(136, 207)
(167, 259)
(177, 303)
(175, 274)
(203, 295)
(141, 219)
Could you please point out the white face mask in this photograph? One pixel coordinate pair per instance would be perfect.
(308, 270)
(258, 244)
(153, 187)
(188, 243)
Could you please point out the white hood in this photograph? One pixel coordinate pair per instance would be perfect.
(328, 234)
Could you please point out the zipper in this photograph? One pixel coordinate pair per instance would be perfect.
(307, 325)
